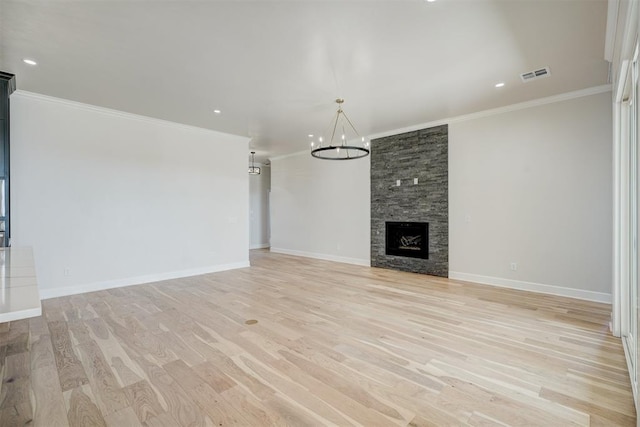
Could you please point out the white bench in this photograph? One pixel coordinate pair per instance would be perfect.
(19, 296)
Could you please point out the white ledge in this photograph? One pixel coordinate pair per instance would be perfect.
(19, 295)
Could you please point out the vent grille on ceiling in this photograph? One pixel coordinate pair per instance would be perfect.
(535, 74)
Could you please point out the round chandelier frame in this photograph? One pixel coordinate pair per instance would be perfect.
(342, 150)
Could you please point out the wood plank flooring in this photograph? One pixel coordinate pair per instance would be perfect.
(332, 344)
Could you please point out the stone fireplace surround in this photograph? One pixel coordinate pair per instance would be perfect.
(421, 154)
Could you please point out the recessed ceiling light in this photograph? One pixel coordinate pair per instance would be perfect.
(500, 84)
(310, 135)
(430, 1)
(29, 61)
(217, 111)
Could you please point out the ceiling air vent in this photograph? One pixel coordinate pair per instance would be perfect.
(536, 74)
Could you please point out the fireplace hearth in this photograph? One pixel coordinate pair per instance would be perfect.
(407, 239)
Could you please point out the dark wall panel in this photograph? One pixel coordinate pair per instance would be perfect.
(420, 154)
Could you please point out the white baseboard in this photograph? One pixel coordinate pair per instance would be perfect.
(260, 246)
(326, 257)
(139, 280)
(533, 287)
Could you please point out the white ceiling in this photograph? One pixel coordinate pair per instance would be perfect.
(274, 68)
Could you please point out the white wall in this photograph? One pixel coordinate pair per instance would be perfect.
(534, 182)
(534, 187)
(259, 186)
(117, 199)
(320, 208)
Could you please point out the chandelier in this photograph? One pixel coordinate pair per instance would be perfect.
(342, 149)
(253, 169)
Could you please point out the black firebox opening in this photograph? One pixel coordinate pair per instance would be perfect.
(408, 239)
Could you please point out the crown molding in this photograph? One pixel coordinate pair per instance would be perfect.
(500, 110)
(456, 119)
(122, 114)
(480, 114)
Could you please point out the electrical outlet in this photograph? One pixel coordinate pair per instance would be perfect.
(67, 271)
(514, 266)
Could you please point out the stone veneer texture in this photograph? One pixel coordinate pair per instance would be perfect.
(421, 154)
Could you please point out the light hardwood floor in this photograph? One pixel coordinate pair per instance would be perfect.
(332, 344)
